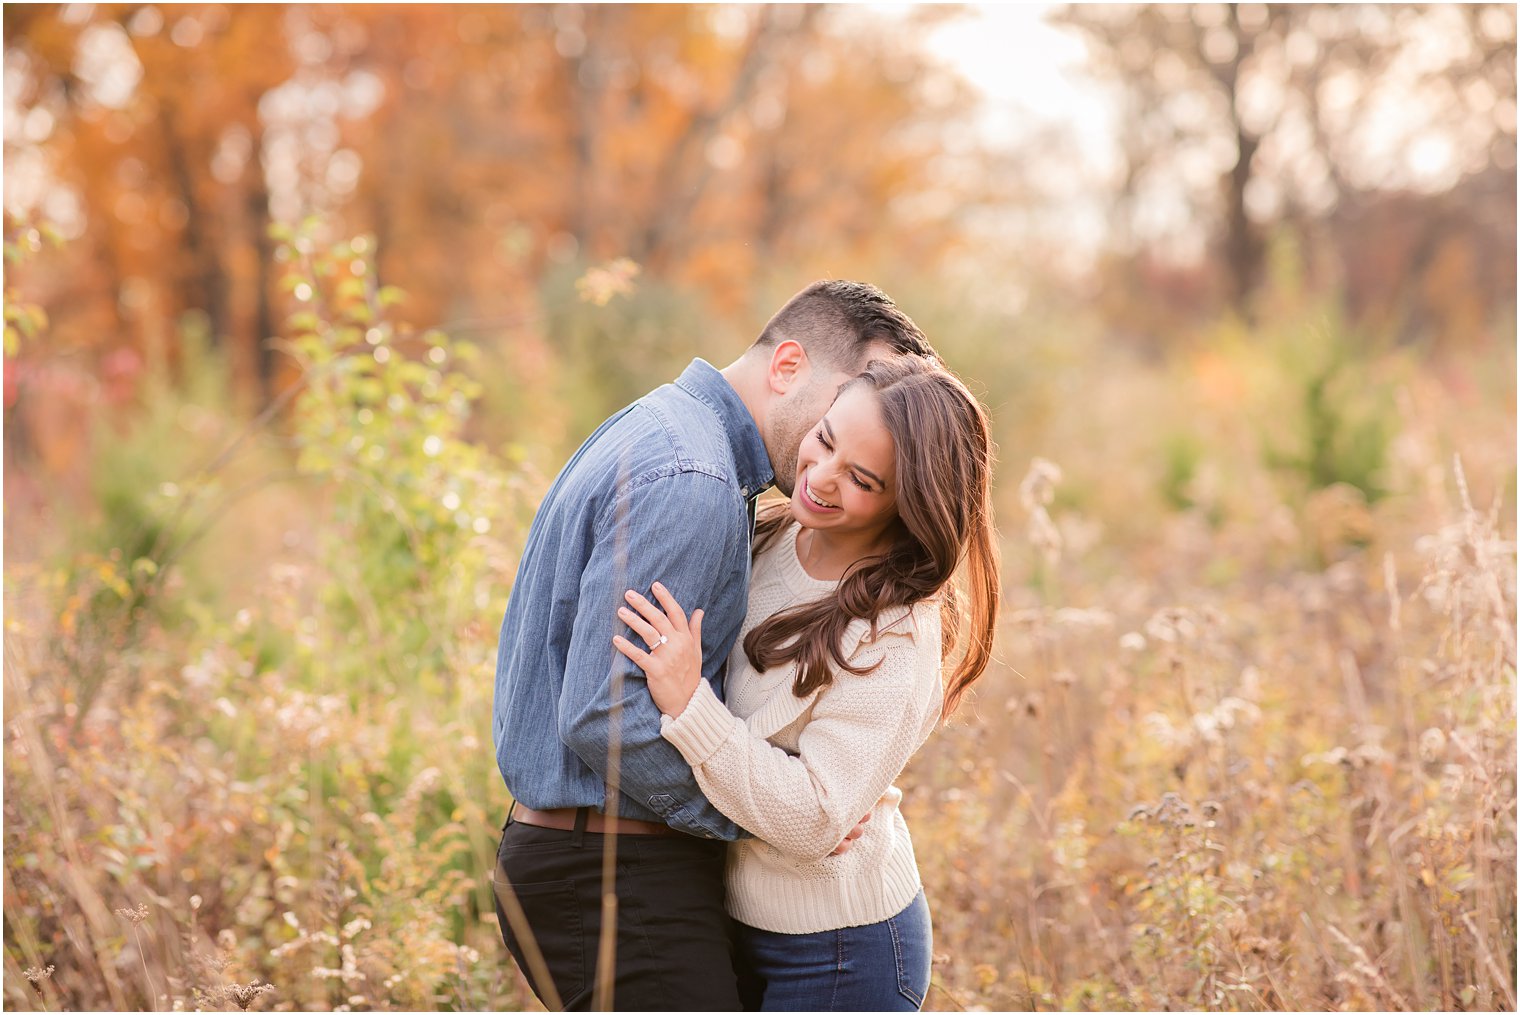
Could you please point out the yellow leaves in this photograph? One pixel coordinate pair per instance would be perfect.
(1461, 877)
(23, 320)
(68, 616)
(600, 284)
(111, 579)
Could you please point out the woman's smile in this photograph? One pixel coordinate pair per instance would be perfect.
(846, 470)
(812, 500)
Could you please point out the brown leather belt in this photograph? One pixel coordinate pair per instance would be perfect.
(563, 818)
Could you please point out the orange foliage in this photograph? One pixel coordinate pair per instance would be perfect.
(480, 146)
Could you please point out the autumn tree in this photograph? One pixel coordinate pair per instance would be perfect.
(491, 152)
(1246, 117)
(150, 116)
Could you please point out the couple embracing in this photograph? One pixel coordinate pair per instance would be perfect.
(753, 685)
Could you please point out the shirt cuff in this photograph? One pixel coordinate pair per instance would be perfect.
(703, 727)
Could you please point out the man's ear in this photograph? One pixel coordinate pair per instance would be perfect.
(788, 367)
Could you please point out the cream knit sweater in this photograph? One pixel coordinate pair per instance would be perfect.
(800, 772)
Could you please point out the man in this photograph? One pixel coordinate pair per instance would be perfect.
(662, 491)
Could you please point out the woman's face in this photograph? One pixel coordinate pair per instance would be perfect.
(846, 469)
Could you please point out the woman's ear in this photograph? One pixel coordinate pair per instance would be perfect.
(788, 367)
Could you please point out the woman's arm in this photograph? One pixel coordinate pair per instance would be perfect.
(862, 731)
(861, 734)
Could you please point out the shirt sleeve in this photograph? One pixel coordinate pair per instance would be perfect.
(861, 734)
(684, 531)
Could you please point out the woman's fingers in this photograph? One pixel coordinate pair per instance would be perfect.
(672, 608)
(640, 627)
(639, 657)
(650, 612)
(848, 842)
(673, 665)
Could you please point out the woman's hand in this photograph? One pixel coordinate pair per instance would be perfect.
(673, 664)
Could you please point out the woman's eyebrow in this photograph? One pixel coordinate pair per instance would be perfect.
(857, 468)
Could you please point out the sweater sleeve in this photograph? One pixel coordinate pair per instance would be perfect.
(861, 734)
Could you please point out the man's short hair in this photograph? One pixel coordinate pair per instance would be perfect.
(836, 321)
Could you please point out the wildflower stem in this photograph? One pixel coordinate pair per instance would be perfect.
(142, 957)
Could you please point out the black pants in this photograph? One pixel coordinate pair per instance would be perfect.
(674, 943)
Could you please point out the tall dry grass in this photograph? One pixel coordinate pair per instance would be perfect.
(1262, 757)
(1250, 743)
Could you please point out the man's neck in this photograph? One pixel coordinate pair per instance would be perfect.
(748, 380)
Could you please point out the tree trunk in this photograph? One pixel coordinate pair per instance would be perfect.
(1243, 249)
(258, 222)
(206, 282)
(1242, 246)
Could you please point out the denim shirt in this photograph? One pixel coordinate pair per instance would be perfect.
(662, 491)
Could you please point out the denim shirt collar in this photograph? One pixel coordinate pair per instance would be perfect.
(752, 463)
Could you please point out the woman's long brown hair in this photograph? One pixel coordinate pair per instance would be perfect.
(944, 527)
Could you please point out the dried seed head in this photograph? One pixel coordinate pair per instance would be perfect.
(1036, 491)
(137, 915)
(1172, 626)
(1038, 487)
(242, 994)
(37, 975)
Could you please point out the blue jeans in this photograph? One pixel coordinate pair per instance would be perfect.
(880, 967)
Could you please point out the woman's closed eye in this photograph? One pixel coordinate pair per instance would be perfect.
(853, 478)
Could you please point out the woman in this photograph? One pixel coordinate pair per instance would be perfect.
(835, 683)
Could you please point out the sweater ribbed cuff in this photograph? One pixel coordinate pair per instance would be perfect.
(704, 726)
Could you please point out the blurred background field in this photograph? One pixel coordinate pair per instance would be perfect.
(305, 305)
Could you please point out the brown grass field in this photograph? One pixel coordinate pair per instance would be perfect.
(1249, 743)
